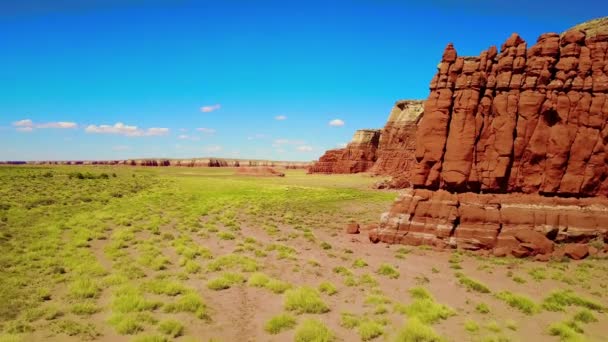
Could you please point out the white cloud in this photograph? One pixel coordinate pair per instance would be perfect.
(213, 148)
(187, 137)
(336, 123)
(342, 145)
(154, 131)
(287, 142)
(126, 130)
(211, 108)
(304, 148)
(256, 136)
(120, 148)
(28, 125)
(206, 130)
(23, 123)
(280, 117)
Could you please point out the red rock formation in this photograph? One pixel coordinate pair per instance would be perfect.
(484, 221)
(398, 140)
(527, 127)
(522, 120)
(358, 156)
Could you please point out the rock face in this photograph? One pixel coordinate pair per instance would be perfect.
(517, 223)
(358, 156)
(511, 153)
(519, 120)
(389, 151)
(398, 140)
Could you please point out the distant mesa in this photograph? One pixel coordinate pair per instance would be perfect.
(194, 162)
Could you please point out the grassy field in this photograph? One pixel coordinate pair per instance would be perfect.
(199, 254)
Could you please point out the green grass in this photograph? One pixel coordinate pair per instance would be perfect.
(472, 284)
(304, 300)
(84, 288)
(190, 302)
(416, 331)
(225, 281)
(559, 300)
(129, 299)
(369, 330)
(424, 307)
(171, 328)
(359, 263)
(328, 288)
(388, 271)
(565, 332)
(471, 326)
(482, 308)
(520, 302)
(280, 323)
(164, 287)
(85, 308)
(313, 330)
(259, 279)
(349, 320)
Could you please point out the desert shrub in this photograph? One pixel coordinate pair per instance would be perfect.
(171, 327)
(280, 323)
(312, 330)
(304, 300)
(520, 302)
(388, 270)
(328, 288)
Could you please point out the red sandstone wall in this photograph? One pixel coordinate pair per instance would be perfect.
(522, 120)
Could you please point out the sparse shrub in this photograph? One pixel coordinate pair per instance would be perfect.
(472, 284)
(520, 302)
(416, 331)
(225, 281)
(328, 288)
(280, 323)
(471, 326)
(559, 300)
(85, 308)
(388, 270)
(84, 288)
(482, 308)
(171, 328)
(304, 300)
(359, 263)
(369, 330)
(312, 330)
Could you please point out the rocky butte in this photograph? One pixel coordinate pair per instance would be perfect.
(511, 153)
(389, 151)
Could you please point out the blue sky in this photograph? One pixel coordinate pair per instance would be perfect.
(236, 78)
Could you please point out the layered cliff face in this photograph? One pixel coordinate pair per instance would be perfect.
(511, 153)
(522, 120)
(389, 151)
(398, 139)
(358, 156)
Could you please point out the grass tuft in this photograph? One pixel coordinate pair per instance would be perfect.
(328, 288)
(388, 270)
(280, 323)
(312, 330)
(520, 302)
(225, 281)
(304, 300)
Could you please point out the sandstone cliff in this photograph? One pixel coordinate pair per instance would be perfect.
(389, 151)
(519, 120)
(511, 153)
(358, 156)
